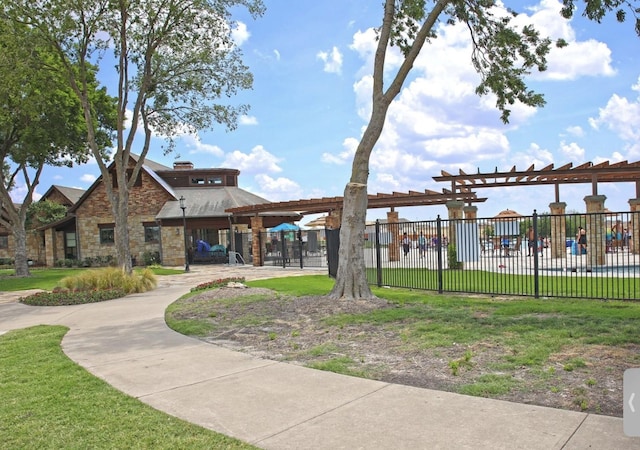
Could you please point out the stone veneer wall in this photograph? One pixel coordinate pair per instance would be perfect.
(54, 246)
(144, 204)
(35, 248)
(172, 238)
(10, 251)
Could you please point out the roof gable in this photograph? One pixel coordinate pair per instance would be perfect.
(147, 167)
(72, 195)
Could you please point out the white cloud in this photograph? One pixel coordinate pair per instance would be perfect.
(575, 131)
(346, 156)
(588, 58)
(19, 192)
(278, 189)
(572, 151)
(240, 34)
(88, 178)
(534, 155)
(277, 55)
(258, 160)
(365, 44)
(196, 146)
(620, 115)
(332, 60)
(438, 121)
(248, 120)
(385, 182)
(579, 58)
(616, 157)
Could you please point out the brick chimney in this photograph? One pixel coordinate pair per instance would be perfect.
(182, 165)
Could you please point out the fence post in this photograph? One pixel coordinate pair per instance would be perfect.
(378, 255)
(262, 252)
(439, 250)
(536, 250)
(300, 245)
(283, 243)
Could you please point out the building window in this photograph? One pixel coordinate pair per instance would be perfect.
(70, 239)
(70, 245)
(107, 235)
(215, 180)
(197, 180)
(4, 241)
(151, 233)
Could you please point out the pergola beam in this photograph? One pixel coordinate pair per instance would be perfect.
(381, 200)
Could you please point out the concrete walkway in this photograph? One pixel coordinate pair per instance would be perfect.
(280, 406)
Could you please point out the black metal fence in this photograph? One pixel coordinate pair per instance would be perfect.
(303, 248)
(537, 255)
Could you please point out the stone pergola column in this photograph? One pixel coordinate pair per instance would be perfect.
(470, 212)
(334, 219)
(257, 227)
(455, 209)
(558, 230)
(635, 225)
(394, 230)
(596, 232)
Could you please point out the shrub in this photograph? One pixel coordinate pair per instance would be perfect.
(217, 283)
(111, 278)
(150, 258)
(60, 297)
(452, 258)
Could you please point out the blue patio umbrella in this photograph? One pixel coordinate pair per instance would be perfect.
(285, 227)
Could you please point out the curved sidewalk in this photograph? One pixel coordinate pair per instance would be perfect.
(280, 406)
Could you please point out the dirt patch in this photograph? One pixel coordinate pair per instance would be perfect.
(308, 331)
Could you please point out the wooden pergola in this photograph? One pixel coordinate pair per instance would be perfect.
(594, 174)
(587, 173)
(393, 200)
(333, 206)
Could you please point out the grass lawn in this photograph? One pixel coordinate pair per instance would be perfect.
(49, 402)
(550, 284)
(503, 347)
(47, 279)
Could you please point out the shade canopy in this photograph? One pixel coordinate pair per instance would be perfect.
(285, 227)
(320, 222)
(507, 213)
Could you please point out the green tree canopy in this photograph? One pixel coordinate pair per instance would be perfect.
(41, 122)
(176, 67)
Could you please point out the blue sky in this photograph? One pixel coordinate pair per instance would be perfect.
(312, 64)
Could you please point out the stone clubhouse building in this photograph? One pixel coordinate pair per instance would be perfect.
(156, 221)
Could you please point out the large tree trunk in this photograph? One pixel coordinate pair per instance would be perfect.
(121, 214)
(351, 280)
(21, 264)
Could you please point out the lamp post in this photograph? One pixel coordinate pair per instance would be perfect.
(183, 207)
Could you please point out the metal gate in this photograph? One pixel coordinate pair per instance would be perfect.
(303, 248)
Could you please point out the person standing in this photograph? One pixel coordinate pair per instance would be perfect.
(617, 232)
(531, 241)
(406, 244)
(581, 238)
(506, 242)
(422, 244)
